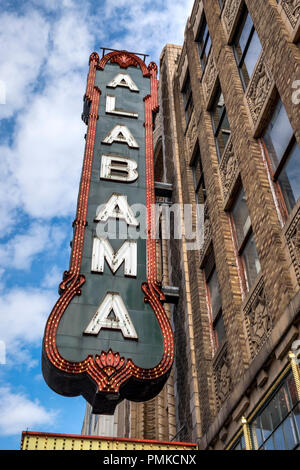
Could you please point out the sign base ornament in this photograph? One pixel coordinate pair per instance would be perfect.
(107, 377)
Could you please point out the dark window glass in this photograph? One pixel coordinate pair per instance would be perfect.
(215, 306)
(241, 217)
(198, 177)
(220, 123)
(188, 99)
(244, 237)
(240, 444)
(284, 154)
(275, 426)
(247, 48)
(219, 329)
(215, 297)
(251, 260)
(204, 44)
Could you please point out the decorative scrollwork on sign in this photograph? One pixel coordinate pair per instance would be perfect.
(292, 10)
(210, 78)
(229, 169)
(293, 241)
(259, 88)
(258, 319)
(223, 384)
(230, 12)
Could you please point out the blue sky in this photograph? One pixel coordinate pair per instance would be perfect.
(45, 46)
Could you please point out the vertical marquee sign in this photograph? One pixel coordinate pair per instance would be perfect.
(108, 337)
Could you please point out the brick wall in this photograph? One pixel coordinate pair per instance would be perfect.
(210, 384)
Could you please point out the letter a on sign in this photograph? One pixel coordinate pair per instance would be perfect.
(112, 303)
(123, 79)
(121, 134)
(117, 207)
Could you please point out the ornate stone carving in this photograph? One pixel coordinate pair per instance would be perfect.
(259, 88)
(258, 319)
(292, 10)
(229, 168)
(191, 135)
(209, 78)
(230, 12)
(293, 241)
(223, 382)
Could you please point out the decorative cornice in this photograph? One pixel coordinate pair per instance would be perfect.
(292, 11)
(258, 318)
(230, 15)
(209, 80)
(259, 89)
(223, 382)
(229, 171)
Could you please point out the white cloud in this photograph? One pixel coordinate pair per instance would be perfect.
(9, 192)
(23, 315)
(53, 5)
(24, 42)
(19, 251)
(18, 412)
(49, 148)
(71, 43)
(52, 278)
(41, 168)
(148, 25)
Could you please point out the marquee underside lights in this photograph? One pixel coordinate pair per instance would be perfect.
(108, 336)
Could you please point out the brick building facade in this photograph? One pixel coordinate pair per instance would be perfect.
(227, 136)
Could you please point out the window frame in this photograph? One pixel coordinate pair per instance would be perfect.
(283, 385)
(216, 130)
(275, 174)
(201, 181)
(217, 342)
(241, 61)
(187, 100)
(201, 39)
(240, 247)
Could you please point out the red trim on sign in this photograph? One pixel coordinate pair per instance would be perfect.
(108, 369)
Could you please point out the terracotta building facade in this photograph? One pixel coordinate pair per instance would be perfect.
(227, 136)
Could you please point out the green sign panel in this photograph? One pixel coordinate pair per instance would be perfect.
(108, 337)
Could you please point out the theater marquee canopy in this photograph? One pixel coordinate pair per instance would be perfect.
(108, 337)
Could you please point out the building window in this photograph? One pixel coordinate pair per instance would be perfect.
(214, 301)
(221, 3)
(220, 123)
(277, 425)
(284, 157)
(239, 444)
(204, 43)
(187, 99)
(247, 48)
(198, 178)
(246, 247)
